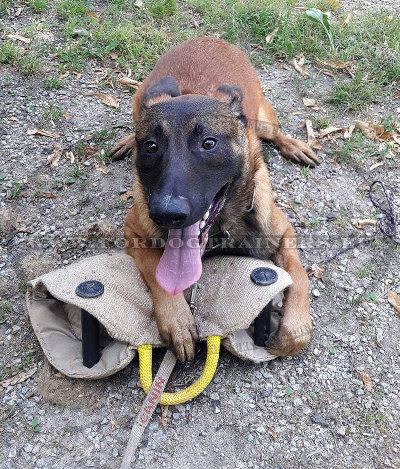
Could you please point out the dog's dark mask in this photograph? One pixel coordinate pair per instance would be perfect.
(190, 148)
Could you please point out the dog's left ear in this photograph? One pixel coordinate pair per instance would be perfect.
(233, 96)
(165, 88)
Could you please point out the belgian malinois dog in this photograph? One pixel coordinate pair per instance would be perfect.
(200, 175)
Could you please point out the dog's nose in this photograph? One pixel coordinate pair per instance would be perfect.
(170, 212)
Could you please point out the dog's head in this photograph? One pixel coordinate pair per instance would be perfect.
(190, 150)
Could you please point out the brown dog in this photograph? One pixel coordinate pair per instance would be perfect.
(200, 176)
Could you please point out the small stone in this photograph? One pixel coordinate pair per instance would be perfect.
(316, 292)
(260, 430)
(16, 328)
(79, 32)
(341, 431)
(330, 216)
(214, 396)
(318, 418)
(28, 448)
(379, 334)
(89, 464)
(115, 452)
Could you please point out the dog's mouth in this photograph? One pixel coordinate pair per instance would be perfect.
(210, 216)
(180, 265)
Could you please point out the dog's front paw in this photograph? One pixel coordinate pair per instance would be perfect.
(177, 328)
(297, 151)
(123, 148)
(290, 339)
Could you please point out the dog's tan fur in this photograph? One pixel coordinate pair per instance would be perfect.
(201, 66)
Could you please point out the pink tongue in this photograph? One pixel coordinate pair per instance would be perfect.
(180, 265)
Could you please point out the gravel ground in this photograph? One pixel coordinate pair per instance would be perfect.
(365, 5)
(336, 404)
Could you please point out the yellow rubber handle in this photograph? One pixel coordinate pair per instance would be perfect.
(174, 398)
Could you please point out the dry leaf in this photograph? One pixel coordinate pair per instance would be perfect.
(164, 412)
(347, 19)
(270, 37)
(54, 158)
(19, 378)
(102, 169)
(376, 165)
(317, 145)
(298, 66)
(335, 64)
(349, 131)
(359, 224)
(126, 195)
(107, 99)
(334, 3)
(310, 132)
(394, 300)
(330, 130)
(316, 271)
(129, 82)
(94, 15)
(89, 151)
(396, 138)
(70, 156)
(309, 102)
(272, 432)
(45, 133)
(18, 37)
(138, 3)
(365, 129)
(373, 131)
(327, 73)
(18, 11)
(367, 382)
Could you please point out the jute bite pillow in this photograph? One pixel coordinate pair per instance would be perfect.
(227, 302)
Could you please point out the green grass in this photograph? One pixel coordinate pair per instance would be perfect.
(162, 8)
(5, 310)
(38, 6)
(72, 8)
(51, 112)
(358, 149)
(353, 95)
(25, 62)
(52, 83)
(135, 37)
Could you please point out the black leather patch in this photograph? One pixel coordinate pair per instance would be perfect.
(264, 276)
(90, 289)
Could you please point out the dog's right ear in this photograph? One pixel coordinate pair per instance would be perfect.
(164, 89)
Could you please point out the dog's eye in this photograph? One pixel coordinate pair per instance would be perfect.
(151, 147)
(209, 143)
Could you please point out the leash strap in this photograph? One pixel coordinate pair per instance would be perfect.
(148, 407)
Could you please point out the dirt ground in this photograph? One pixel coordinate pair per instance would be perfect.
(335, 404)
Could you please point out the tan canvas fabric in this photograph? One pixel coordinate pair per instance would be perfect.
(227, 301)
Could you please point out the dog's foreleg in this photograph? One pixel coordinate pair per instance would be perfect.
(295, 326)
